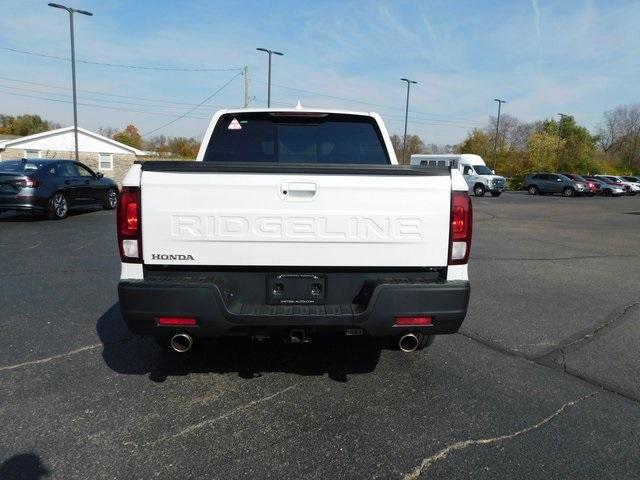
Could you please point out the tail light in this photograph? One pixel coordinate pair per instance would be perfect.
(461, 226)
(25, 183)
(129, 225)
(413, 321)
(178, 321)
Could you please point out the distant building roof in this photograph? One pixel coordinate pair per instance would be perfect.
(62, 139)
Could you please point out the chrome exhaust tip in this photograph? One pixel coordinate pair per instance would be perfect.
(181, 342)
(408, 342)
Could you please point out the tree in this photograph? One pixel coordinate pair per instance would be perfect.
(23, 125)
(542, 150)
(184, 147)
(414, 145)
(619, 136)
(576, 146)
(129, 136)
(477, 142)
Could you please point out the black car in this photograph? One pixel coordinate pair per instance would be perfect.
(53, 187)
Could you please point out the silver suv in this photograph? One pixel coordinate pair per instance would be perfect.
(550, 183)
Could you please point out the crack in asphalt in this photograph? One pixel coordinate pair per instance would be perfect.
(52, 357)
(442, 454)
(210, 421)
(590, 334)
(66, 354)
(546, 360)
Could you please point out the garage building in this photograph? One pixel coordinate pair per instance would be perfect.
(99, 153)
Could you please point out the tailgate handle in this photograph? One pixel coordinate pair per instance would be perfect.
(298, 189)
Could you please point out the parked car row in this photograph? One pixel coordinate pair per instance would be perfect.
(53, 187)
(571, 184)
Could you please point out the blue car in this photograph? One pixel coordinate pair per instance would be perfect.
(53, 187)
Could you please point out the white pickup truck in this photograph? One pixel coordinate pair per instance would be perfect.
(294, 222)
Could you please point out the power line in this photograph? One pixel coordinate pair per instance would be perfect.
(96, 92)
(57, 100)
(109, 101)
(120, 65)
(413, 118)
(192, 109)
(362, 102)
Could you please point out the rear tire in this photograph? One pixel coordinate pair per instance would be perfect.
(426, 341)
(479, 190)
(533, 190)
(569, 192)
(607, 192)
(110, 199)
(58, 206)
(495, 194)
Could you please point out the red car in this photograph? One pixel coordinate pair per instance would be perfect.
(592, 187)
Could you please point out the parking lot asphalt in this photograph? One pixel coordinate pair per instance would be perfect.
(541, 382)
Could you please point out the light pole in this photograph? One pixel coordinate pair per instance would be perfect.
(73, 69)
(270, 52)
(406, 117)
(560, 125)
(495, 142)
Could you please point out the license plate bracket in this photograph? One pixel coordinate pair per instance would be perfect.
(296, 289)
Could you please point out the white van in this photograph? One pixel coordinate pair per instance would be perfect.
(478, 176)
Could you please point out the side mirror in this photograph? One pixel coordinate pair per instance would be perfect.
(99, 175)
(558, 180)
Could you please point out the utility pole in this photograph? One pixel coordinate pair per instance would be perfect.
(406, 117)
(73, 69)
(495, 142)
(270, 52)
(560, 125)
(246, 86)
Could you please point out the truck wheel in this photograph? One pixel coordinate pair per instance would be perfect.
(426, 341)
(495, 194)
(533, 190)
(58, 206)
(478, 190)
(110, 199)
(569, 192)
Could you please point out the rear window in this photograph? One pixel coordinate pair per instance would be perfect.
(20, 166)
(296, 138)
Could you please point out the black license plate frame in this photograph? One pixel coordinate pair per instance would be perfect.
(296, 289)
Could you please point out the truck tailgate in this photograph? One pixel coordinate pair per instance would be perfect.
(314, 217)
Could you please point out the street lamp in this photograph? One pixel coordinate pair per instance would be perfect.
(495, 142)
(560, 125)
(73, 68)
(270, 52)
(406, 116)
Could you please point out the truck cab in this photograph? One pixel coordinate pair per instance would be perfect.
(480, 179)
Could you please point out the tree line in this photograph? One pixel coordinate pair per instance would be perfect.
(521, 147)
(551, 145)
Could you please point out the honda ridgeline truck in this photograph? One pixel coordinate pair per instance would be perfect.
(292, 223)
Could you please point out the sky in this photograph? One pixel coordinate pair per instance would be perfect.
(541, 56)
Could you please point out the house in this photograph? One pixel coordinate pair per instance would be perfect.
(99, 153)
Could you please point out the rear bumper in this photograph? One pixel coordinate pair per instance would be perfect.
(23, 202)
(144, 301)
